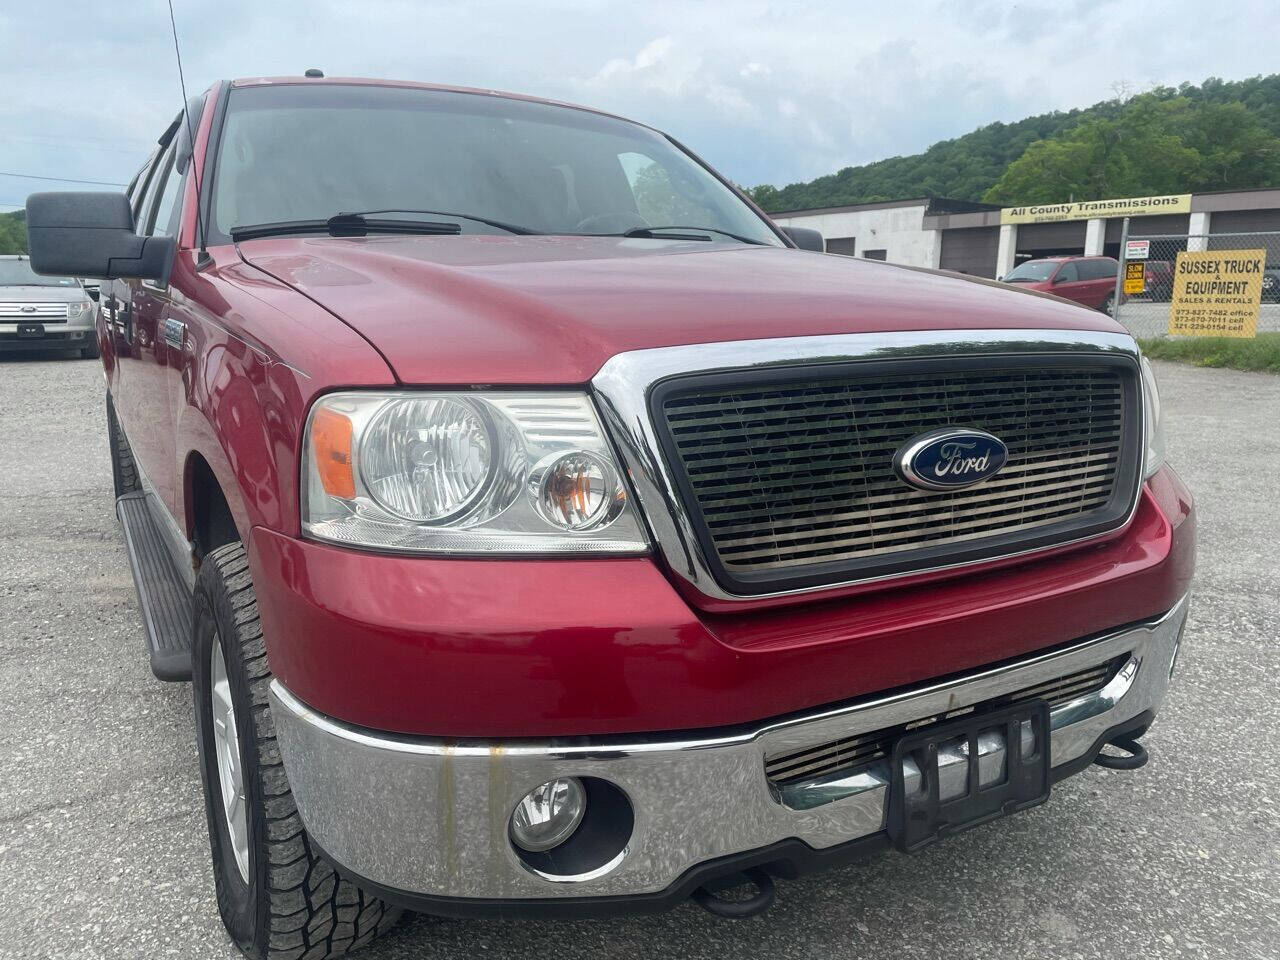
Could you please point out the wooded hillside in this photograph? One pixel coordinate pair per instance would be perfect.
(1219, 135)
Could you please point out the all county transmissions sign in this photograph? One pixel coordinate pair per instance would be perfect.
(1216, 293)
(1089, 209)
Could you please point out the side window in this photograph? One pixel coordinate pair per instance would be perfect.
(164, 217)
(144, 217)
(1067, 274)
(138, 188)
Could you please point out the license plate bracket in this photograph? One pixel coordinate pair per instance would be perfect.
(30, 330)
(919, 815)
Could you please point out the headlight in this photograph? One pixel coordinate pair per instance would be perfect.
(78, 308)
(1153, 423)
(466, 473)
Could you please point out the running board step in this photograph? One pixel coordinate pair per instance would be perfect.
(162, 592)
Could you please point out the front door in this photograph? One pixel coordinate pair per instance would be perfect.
(148, 349)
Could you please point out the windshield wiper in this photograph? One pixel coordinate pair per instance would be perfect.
(508, 227)
(686, 233)
(344, 225)
(365, 222)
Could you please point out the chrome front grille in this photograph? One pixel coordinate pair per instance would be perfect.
(38, 312)
(850, 753)
(794, 477)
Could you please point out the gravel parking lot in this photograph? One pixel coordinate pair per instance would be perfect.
(102, 836)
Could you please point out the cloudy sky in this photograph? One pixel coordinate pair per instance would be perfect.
(766, 91)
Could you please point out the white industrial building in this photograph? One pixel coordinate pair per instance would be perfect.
(977, 238)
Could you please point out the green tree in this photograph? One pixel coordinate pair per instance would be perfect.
(1115, 147)
(1156, 145)
(13, 232)
(1235, 149)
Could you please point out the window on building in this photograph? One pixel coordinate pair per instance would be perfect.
(874, 254)
(845, 246)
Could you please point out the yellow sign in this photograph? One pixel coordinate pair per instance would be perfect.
(1088, 209)
(1135, 277)
(1216, 293)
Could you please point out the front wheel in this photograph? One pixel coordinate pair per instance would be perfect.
(278, 899)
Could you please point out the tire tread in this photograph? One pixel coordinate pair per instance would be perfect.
(311, 913)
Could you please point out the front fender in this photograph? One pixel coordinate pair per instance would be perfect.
(256, 354)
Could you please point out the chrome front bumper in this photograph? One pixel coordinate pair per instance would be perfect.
(430, 818)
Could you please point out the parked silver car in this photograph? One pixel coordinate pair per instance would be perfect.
(43, 313)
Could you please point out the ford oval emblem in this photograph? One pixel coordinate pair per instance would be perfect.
(950, 459)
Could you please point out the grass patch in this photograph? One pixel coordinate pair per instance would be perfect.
(1260, 354)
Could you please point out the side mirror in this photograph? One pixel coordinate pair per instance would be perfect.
(93, 291)
(806, 239)
(85, 234)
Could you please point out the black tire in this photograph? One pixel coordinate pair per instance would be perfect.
(123, 473)
(294, 905)
(90, 351)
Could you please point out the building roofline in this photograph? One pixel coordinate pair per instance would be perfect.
(933, 206)
(853, 207)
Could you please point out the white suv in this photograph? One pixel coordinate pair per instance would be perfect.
(43, 313)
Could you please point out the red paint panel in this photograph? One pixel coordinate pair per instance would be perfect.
(490, 306)
(536, 648)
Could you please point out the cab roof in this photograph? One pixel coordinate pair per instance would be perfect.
(414, 85)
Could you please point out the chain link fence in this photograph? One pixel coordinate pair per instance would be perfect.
(1146, 314)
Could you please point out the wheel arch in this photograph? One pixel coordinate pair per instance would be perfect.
(211, 521)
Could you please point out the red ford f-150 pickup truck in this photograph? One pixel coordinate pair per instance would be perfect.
(545, 532)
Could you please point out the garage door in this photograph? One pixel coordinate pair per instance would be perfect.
(1244, 221)
(1167, 225)
(971, 250)
(1045, 239)
(1245, 230)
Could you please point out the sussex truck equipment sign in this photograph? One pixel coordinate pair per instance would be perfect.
(1217, 293)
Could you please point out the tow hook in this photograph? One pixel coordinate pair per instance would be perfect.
(1137, 754)
(752, 906)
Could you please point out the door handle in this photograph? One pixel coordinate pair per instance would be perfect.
(173, 331)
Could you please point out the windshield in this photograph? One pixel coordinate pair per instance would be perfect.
(18, 273)
(292, 152)
(1033, 271)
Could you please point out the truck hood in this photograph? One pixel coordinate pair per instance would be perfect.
(39, 293)
(552, 309)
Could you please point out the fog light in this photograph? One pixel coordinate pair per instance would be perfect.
(548, 815)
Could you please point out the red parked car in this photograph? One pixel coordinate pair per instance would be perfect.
(1090, 281)
(546, 534)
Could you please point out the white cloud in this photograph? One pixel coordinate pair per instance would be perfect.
(765, 91)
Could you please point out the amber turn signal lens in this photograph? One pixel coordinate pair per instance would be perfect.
(331, 446)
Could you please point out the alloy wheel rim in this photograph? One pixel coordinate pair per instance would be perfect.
(230, 769)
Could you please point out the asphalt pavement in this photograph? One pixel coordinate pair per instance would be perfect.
(102, 836)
